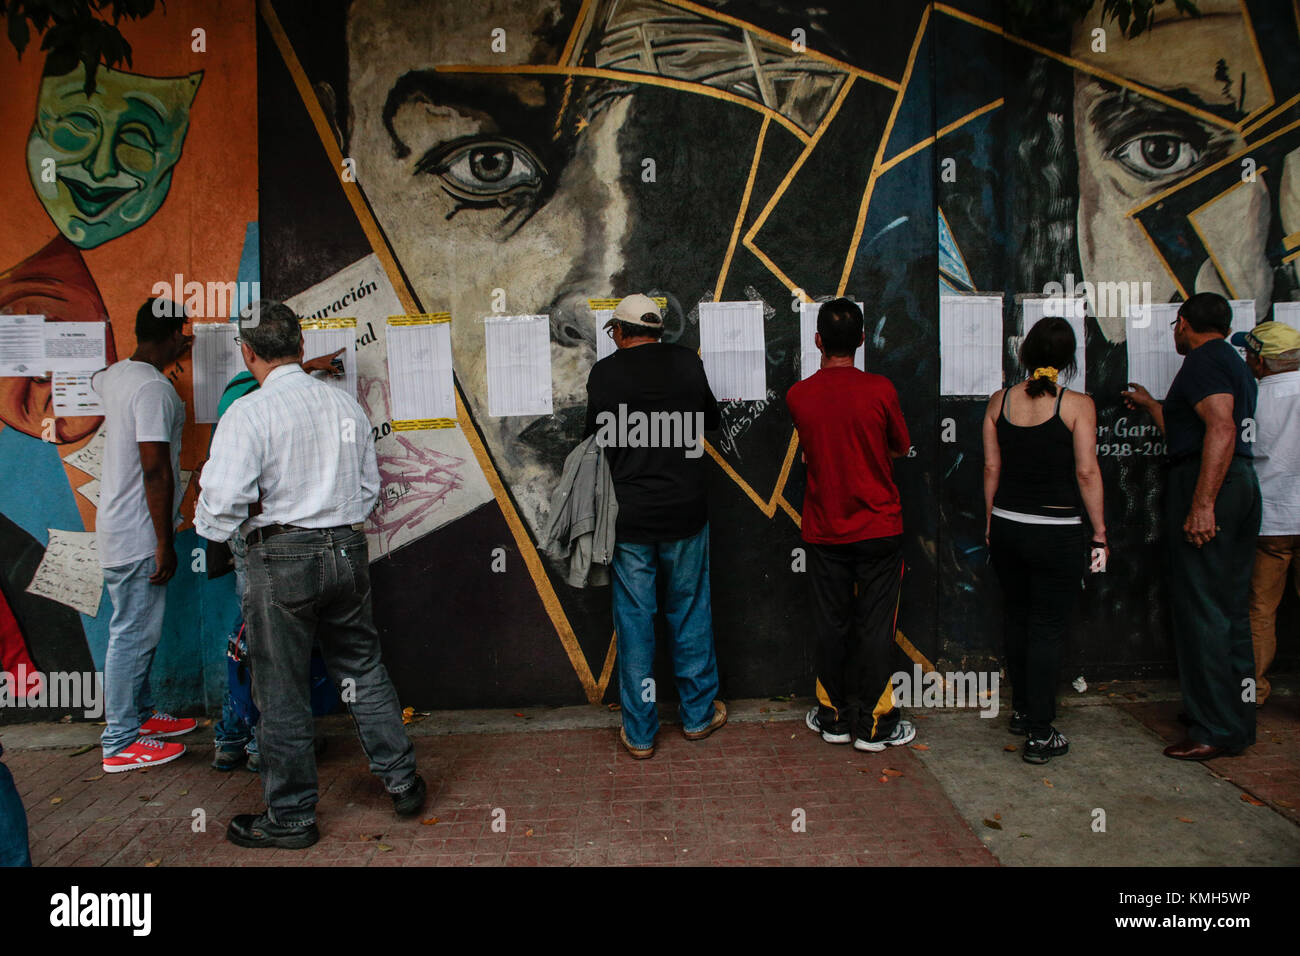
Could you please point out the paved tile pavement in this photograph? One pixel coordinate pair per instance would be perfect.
(555, 798)
(1268, 771)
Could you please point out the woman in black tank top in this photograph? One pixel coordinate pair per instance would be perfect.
(1040, 475)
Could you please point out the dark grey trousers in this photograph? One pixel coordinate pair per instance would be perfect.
(305, 586)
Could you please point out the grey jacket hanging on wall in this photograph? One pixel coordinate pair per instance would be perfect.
(583, 514)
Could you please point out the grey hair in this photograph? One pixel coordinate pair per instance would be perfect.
(1286, 362)
(271, 330)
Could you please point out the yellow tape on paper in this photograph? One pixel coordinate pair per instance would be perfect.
(425, 318)
(335, 323)
(422, 424)
(598, 305)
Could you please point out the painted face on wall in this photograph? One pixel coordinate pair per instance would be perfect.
(1132, 147)
(102, 165)
(491, 186)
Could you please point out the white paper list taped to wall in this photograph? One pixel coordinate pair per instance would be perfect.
(734, 350)
(1243, 317)
(327, 336)
(69, 572)
(810, 359)
(420, 377)
(22, 346)
(216, 360)
(75, 346)
(1037, 309)
(1153, 361)
(605, 346)
(970, 345)
(1288, 313)
(72, 393)
(518, 365)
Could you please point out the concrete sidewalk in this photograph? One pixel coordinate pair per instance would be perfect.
(553, 787)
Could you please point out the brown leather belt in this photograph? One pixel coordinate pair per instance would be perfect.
(258, 535)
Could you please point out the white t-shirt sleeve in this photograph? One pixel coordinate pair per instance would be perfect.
(154, 407)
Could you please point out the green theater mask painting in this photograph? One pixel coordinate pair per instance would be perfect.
(103, 165)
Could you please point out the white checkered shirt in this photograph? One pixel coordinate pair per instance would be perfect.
(303, 446)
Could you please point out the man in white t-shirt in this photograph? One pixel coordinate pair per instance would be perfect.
(138, 501)
(1273, 355)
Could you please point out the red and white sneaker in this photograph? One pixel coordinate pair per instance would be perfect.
(165, 725)
(145, 752)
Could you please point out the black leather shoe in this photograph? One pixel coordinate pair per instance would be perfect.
(1191, 750)
(257, 830)
(409, 802)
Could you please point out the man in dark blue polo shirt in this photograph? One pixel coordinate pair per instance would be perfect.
(1212, 515)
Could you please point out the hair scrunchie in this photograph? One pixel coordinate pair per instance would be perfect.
(1048, 373)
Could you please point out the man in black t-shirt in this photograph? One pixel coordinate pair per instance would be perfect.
(1212, 515)
(649, 404)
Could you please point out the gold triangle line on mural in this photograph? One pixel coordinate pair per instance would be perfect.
(861, 222)
(642, 79)
(379, 244)
(849, 68)
(1082, 67)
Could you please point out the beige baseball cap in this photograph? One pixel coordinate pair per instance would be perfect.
(638, 309)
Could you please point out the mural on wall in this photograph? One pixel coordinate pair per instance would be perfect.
(527, 156)
(1166, 163)
(99, 187)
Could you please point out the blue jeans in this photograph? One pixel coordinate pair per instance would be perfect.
(14, 850)
(305, 586)
(133, 634)
(236, 731)
(689, 612)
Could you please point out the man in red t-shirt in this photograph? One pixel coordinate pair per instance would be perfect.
(851, 427)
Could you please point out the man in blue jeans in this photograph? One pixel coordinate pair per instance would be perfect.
(293, 469)
(14, 850)
(649, 404)
(134, 530)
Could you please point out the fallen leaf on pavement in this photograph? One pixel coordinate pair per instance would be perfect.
(1186, 820)
(1010, 748)
(92, 779)
(1048, 783)
(529, 832)
(56, 799)
(1285, 803)
(993, 824)
(82, 750)
(429, 821)
(153, 863)
(383, 847)
(884, 780)
(997, 816)
(890, 771)
(920, 746)
(1252, 800)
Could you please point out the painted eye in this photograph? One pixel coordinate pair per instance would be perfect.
(72, 132)
(1158, 155)
(488, 169)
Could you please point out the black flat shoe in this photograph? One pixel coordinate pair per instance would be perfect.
(257, 830)
(1019, 724)
(408, 802)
